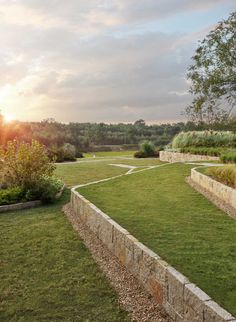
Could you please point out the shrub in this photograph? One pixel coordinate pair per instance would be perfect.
(23, 164)
(79, 155)
(27, 167)
(67, 152)
(147, 150)
(11, 195)
(46, 189)
(139, 154)
(204, 139)
(225, 174)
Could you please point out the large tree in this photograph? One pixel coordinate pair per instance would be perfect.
(213, 74)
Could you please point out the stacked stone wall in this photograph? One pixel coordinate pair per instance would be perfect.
(181, 299)
(172, 157)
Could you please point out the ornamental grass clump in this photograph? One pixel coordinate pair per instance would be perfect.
(225, 174)
(204, 139)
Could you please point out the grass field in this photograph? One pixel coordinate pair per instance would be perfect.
(165, 213)
(46, 272)
(109, 154)
(82, 172)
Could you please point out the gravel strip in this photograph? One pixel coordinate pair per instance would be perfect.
(215, 200)
(132, 296)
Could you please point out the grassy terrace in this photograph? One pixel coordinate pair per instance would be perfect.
(183, 227)
(86, 171)
(46, 272)
(109, 154)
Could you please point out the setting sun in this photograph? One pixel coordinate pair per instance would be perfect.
(8, 118)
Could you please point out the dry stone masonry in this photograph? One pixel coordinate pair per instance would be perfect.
(221, 191)
(172, 157)
(182, 300)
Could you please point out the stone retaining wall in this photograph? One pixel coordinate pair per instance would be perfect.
(171, 157)
(182, 300)
(221, 191)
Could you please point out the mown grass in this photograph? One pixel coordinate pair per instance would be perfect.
(78, 173)
(184, 228)
(46, 272)
(109, 154)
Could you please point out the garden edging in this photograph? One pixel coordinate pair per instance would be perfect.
(181, 299)
(21, 205)
(218, 189)
(172, 157)
(27, 204)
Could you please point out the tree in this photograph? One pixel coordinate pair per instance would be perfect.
(213, 74)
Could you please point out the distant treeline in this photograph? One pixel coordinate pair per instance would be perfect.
(91, 136)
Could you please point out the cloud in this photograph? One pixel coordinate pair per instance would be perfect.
(95, 60)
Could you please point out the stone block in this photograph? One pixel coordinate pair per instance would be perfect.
(157, 281)
(214, 313)
(118, 239)
(175, 289)
(194, 303)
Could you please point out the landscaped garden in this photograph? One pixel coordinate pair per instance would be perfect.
(160, 209)
(157, 206)
(46, 271)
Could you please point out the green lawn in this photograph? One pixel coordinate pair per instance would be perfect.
(184, 228)
(78, 173)
(109, 154)
(46, 272)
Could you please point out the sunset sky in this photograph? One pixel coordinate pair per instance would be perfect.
(101, 61)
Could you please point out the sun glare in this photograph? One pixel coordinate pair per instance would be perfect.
(8, 118)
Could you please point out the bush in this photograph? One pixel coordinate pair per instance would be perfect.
(27, 167)
(79, 155)
(204, 139)
(67, 152)
(23, 164)
(46, 190)
(11, 195)
(139, 154)
(224, 174)
(147, 150)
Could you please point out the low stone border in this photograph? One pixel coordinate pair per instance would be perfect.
(28, 204)
(172, 157)
(20, 206)
(221, 191)
(181, 299)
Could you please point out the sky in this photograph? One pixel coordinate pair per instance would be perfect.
(101, 60)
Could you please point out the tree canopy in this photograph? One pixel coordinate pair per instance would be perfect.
(213, 74)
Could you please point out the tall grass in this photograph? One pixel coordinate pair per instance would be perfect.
(204, 139)
(225, 174)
